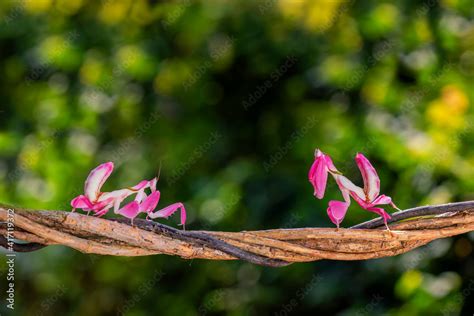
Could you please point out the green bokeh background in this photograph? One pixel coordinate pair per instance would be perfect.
(232, 98)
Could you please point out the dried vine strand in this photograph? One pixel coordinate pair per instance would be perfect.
(278, 247)
(427, 210)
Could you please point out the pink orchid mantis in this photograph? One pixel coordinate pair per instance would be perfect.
(101, 202)
(368, 197)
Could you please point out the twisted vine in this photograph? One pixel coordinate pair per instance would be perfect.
(410, 229)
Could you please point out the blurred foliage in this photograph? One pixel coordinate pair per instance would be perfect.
(232, 97)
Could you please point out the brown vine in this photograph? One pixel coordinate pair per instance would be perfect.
(277, 247)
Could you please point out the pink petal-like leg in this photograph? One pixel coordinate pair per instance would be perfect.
(102, 207)
(337, 211)
(369, 176)
(117, 205)
(82, 202)
(381, 212)
(140, 196)
(383, 199)
(130, 210)
(103, 211)
(169, 210)
(150, 203)
(96, 180)
(318, 175)
(142, 185)
(394, 206)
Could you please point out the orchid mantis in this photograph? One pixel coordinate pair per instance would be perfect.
(368, 197)
(100, 203)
